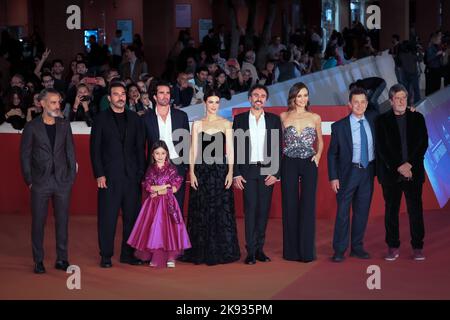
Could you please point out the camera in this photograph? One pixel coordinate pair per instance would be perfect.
(85, 98)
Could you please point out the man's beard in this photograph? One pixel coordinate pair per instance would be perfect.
(164, 103)
(119, 105)
(258, 107)
(55, 114)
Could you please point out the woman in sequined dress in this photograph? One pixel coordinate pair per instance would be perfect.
(302, 149)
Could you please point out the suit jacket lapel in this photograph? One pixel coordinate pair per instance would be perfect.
(410, 136)
(174, 122)
(113, 124)
(43, 132)
(372, 130)
(267, 138)
(58, 135)
(393, 129)
(348, 134)
(154, 125)
(246, 125)
(395, 132)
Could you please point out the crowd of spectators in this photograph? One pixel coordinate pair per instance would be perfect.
(27, 66)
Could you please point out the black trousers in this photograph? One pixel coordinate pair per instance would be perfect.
(356, 192)
(125, 194)
(60, 197)
(299, 212)
(413, 195)
(257, 201)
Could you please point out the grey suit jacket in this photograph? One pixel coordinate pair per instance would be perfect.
(139, 67)
(37, 157)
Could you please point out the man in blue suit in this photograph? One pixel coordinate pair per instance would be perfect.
(351, 171)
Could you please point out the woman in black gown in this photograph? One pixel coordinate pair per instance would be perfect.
(211, 220)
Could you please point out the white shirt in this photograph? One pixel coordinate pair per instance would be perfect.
(165, 133)
(257, 137)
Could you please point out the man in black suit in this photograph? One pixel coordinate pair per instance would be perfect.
(118, 162)
(172, 126)
(351, 170)
(402, 141)
(257, 151)
(49, 168)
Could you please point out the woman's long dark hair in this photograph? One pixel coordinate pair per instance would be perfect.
(10, 98)
(156, 145)
(211, 92)
(293, 92)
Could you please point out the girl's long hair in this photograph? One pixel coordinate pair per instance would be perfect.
(156, 145)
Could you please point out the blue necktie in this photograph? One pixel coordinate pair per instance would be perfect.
(364, 145)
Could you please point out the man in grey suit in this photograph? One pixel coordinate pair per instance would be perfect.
(49, 169)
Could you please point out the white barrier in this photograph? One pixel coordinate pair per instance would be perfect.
(327, 87)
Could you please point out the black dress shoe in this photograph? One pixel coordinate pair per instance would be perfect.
(62, 265)
(260, 256)
(105, 263)
(132, 261)
(360, 254)
(338, 257)
(39, 268)
(251, 259)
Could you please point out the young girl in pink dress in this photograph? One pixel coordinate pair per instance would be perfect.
(159, 234)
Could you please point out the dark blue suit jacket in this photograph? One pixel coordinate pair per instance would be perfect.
(179, 121)
(340, 152)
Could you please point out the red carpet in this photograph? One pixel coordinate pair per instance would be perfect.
(279, 279)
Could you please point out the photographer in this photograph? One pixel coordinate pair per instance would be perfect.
(83, 108)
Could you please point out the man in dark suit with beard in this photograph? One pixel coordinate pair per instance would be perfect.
(402, 140)
(48, 165)
(256, 167)
(118, 162)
